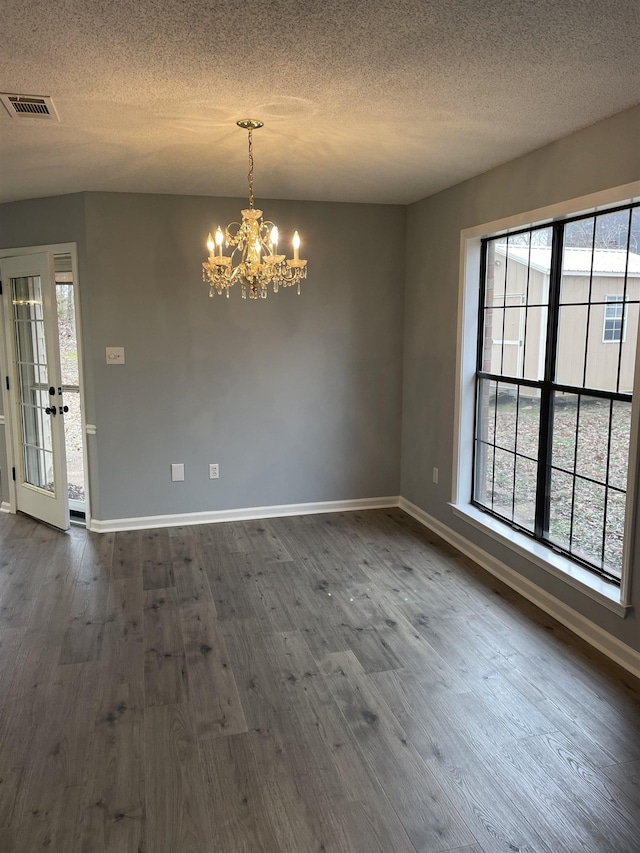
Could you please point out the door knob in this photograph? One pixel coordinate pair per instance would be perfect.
(51, 411)
(63, 409)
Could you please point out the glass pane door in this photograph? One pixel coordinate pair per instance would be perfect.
(35, 388)
(33, 383)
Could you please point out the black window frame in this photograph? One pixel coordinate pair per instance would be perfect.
(547, 386)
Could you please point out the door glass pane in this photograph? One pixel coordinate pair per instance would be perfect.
(71, 384)
(33, 384)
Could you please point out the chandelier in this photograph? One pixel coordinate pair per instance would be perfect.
(254, 260)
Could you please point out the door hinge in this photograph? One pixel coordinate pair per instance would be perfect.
(0, 288)
(13, 471)
(7, 381)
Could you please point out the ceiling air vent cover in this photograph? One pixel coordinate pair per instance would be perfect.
(29, 106)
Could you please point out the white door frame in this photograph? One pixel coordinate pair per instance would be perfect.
(70, 249)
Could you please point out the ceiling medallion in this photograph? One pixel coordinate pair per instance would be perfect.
(253, 261)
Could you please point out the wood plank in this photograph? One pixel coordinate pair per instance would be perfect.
(114, 811)
(7, 840)
(264, 541)
(405, 647)
(36, 660)
(310, 724)
(594, 801)
(253, 673)
(190, 577)
(59, 753)
(83, 637)
(365, 829)
(10, 642)
(431, 821)
(483, 671)
(448, 727)
(316, 727)
(612, 729)
(20, 579)
(231, 584)
(213, 695)
(54, 828)
(486, 808)
(122, 653)
(474, 848)
(626, 778)
(276, 599)
(18, 723)
(127, 555)
(157, 563)
(176, 805)
(165, 670)
(232, 782)
(53, 600)
(97, 556)
(292, 798)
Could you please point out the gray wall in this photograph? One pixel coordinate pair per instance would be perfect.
(600, 157)
(298, 398)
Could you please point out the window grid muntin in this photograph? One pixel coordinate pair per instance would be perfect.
(548, 387)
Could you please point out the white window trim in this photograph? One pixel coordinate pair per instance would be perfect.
(613, 597)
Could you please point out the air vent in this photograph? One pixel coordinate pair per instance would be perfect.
(29, 106)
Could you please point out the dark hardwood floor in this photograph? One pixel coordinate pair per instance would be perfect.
(339, 683)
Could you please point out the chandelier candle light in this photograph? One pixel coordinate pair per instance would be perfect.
(253, 261)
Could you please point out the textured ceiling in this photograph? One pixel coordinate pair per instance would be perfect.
(362, 101)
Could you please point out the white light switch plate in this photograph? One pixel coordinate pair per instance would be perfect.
(177, 471)
(115, 355)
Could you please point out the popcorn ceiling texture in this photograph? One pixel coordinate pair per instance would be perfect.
(362, 100)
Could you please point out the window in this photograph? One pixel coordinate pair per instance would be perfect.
(553, 393)
(612, 327)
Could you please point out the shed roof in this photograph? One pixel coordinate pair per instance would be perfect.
(578, 262)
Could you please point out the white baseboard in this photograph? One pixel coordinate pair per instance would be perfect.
(5, 506)
(245, 514)
(586, 629)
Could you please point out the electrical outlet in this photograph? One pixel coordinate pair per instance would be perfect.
(177, 471)
(214, 471)
(435, 475)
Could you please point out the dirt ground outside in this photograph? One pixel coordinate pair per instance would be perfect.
(588, 481)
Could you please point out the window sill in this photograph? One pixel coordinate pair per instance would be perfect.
(596, 588)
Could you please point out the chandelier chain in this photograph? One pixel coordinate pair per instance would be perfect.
(250, 169)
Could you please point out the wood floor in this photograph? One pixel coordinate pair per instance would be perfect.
(338, 683)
